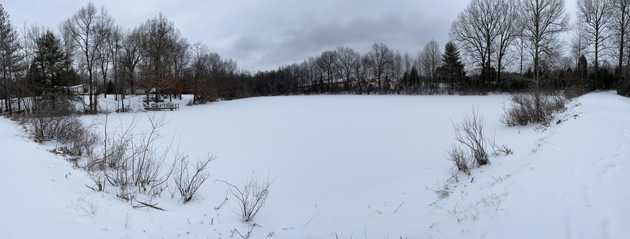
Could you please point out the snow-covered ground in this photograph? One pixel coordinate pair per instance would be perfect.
(346, 167)
(131, 103)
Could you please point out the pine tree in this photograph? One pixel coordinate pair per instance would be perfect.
(10, 58)
(51, 68)
(405, 81)
(582, 73)
(452, 69)
(414, 78)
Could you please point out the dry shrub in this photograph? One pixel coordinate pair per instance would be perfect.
(251, 198)
(534, 108)
(78, 140)
(188, 179)
(470, 134)
(133, 164)
(502, 150)
(471, 148)
(458, 156)
(74, 138)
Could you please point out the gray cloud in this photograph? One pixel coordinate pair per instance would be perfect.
(263, 34)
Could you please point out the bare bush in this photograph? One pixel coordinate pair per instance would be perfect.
(458, 156)
(78, 140)
(45, 128)
(68, 131)
(534, 108)
(502, 150)
(135, 166)
(251, 198)
(471, 148)
(470, 134)
(188, 179)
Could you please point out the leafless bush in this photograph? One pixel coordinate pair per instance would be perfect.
(534, 108)
(458, 156)
(470, 134)
(45, 128)
(135, 166)
(188, 179)
(77, 139)
(471, 148)
(502, 150)
(98, 180)
(68, 131)
(251, 198)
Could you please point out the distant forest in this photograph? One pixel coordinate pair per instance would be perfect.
(495, 46)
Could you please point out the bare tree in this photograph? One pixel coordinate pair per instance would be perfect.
(485, 31)
(508, 30)
(430, 60)
(620, 23)
(104, 59)
(327, 62)
(114, 45)
(82, 28)
(347, 60)
(476, 29)
(130, 57)
(578, 42)
(544, 20)
(159, 46)
(181, 59)
(595, 15)
(379, 59)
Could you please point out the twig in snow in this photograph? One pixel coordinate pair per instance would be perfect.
(222, 203)
(398, 208)
(143, 204)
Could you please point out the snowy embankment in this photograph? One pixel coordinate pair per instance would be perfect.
(346, 167)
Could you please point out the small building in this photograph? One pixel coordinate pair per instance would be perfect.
(76, 89)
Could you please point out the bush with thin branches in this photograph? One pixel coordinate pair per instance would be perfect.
(133, 164)
(251, 198)
(534, 108)
(458, 157)
(189, 179)
(471, 148)
(470, 134)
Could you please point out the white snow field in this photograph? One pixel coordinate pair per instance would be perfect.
(346, 167)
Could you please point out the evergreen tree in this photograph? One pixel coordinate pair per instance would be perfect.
(10, 58)
(51, 68)
(452, 69)
(414, 78)
(406, 83)
(582, 73)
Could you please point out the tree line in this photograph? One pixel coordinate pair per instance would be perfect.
(496, 45)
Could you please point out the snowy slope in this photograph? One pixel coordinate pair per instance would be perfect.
(42, 197)
(572, 184)
(347, 167)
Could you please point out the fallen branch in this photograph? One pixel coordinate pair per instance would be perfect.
(143, 205)
(222, 203)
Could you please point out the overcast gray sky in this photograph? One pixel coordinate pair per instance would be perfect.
(264, 34)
